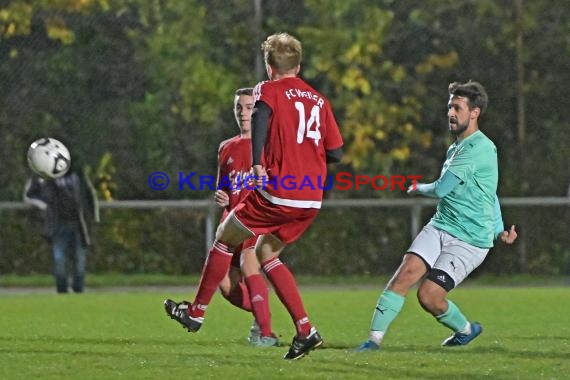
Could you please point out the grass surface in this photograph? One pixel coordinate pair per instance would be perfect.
(126, 335)
(104, 280)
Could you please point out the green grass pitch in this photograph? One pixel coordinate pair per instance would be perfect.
(126, 335)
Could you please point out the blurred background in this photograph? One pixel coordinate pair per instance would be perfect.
(138, 86)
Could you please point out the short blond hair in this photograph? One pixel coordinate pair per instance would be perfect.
(282, 51)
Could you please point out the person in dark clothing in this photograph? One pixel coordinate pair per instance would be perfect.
(70, 206)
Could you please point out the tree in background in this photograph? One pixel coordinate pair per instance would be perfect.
(68, 70)
(137, 86)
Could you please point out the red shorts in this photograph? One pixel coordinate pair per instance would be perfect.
(262, 217)
(249, 243)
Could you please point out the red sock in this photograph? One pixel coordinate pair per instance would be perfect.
(286, 289)
(239, 296)
(259, 296)
(216, 266)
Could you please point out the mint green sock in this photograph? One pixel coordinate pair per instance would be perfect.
(453, 318)
(389, 306)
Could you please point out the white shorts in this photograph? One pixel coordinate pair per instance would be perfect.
(447, 253)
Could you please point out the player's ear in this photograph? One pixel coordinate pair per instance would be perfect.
(475, 112)
(297, 69)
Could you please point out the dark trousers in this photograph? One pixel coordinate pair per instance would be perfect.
(67, 241)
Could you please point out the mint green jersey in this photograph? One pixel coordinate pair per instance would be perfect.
(468, 212)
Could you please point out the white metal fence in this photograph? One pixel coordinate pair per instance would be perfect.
(415, 206)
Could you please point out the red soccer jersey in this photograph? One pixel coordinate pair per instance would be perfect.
(234, 165)
(302, 127)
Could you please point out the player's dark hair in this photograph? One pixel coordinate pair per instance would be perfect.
(473, 91)
(244, 91)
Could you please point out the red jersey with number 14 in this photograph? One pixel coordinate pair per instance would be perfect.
(301, 129)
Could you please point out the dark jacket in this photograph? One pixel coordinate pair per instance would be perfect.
(70, 198)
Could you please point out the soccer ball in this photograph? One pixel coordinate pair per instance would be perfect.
(49, 158)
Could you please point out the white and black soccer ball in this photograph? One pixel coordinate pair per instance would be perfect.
(49, 157)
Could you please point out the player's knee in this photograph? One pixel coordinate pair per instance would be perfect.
(231, 233)
(225, 230)
(225, 289)
(264, 255)
(219, 232)
(229, 237)
(268, 248)
(432, 294)
(249, 263)
(405, 279)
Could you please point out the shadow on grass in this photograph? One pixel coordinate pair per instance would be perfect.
(452, 351)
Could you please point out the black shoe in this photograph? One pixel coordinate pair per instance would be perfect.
(179, 312)
(301, 346)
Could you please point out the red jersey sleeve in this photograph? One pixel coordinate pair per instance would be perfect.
(234, 166)
(264, 92)
(333, 138)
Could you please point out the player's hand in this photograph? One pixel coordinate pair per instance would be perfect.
(260, 176)
(413, 188)
(508, 237)
(222, 198)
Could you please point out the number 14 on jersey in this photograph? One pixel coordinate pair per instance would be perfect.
(308, 127)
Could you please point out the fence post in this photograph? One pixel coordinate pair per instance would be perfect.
(416, 216)
(209, 228)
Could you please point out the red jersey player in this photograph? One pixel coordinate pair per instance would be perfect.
(244, 286)
(294, 135)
